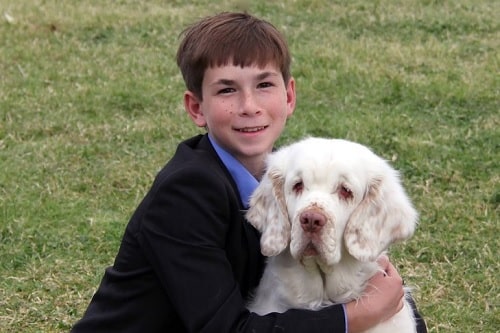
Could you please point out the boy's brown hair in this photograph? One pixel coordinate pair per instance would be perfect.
(240, 37)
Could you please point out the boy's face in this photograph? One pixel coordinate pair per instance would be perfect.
(244, 108)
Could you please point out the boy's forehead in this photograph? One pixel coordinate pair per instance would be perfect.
(230, 70)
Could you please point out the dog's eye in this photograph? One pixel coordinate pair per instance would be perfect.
(298, 187)
(345, 192)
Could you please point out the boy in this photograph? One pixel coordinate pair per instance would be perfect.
(188, 259)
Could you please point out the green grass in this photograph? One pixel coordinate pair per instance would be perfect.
(91, 108)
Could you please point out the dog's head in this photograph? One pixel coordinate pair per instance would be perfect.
(321, 195)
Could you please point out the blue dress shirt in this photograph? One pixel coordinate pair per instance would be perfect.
(244, 180)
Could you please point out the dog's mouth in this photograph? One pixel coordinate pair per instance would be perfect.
(314, 251)
(310, 250)
(311, 255)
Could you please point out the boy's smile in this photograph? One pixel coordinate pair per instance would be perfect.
(244, 109)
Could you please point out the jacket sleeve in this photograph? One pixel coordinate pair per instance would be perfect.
(183, 235)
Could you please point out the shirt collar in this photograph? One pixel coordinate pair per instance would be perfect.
(244, 180)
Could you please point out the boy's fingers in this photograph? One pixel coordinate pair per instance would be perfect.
(383, 261)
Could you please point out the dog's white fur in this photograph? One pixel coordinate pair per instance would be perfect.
(327, 209)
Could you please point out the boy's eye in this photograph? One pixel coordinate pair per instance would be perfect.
(265, 84)
(225, 91)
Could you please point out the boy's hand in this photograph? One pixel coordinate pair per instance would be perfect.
(382, 299)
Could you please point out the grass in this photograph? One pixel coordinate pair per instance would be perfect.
(90, 109)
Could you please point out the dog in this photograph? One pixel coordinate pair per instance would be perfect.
(326, 210)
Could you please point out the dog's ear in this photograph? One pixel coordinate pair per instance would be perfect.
(268, 213)
(385, 215)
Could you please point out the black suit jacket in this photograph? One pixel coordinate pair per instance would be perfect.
(188, 260)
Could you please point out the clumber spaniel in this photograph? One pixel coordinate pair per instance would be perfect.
(327, 209)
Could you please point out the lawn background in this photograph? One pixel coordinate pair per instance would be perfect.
(90, 109)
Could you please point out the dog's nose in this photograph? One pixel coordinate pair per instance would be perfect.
(312, 221)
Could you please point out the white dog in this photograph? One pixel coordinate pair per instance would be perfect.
(327, 209)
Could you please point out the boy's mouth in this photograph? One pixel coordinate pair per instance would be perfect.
(251, 129)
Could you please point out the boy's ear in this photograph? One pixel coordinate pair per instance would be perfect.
(291, 96)
(192, 105)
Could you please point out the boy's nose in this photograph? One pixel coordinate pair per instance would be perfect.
(249, 105)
